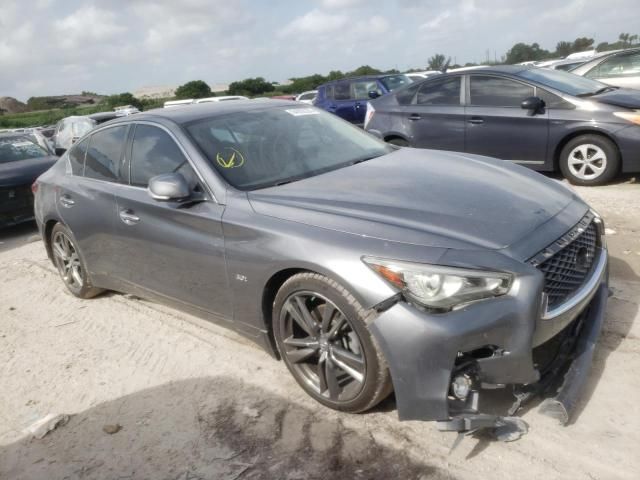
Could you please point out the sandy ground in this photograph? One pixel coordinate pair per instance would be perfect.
(198, 402)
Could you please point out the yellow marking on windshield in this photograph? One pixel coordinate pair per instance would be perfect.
(234, 160)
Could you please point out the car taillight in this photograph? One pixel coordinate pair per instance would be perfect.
(368, 116)
(34, 187)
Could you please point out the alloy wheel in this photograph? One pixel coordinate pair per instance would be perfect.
(67, 260)
(587, 161)
(322, 347)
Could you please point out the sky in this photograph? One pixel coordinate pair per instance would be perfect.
(50, 47)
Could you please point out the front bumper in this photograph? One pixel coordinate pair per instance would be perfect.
(422, 348)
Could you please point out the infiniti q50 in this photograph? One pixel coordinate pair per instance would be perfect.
(365, 267)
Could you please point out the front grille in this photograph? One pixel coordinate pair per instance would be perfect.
(15, 203)
(568, 268)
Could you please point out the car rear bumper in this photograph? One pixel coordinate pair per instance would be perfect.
(426, 351)
(16, 205)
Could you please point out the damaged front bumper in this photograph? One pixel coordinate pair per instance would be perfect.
(494, 344)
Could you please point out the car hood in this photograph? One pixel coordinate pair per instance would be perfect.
(423, 197)
(622, 97)
(24, 172)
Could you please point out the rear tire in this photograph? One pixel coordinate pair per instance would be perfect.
(322, 336)
(400, 142)
(68, 260)
(589, 160)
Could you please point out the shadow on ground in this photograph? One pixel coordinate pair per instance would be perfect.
(207, 428)
(16, 235)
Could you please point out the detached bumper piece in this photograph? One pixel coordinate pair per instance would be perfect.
(563, 404)
(565, 367)
(504, 429)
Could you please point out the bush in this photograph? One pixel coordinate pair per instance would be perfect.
(193, 89)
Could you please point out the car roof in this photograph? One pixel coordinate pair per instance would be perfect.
(509, 69)
(362, 77)
(198, 111)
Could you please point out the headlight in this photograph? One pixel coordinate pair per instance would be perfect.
(633, 117)
(440, 288)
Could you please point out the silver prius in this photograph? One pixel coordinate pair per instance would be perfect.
(367, 268)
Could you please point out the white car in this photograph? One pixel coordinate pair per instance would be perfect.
(220, 99)
(307, 97)
(69, 130)
(417, 76)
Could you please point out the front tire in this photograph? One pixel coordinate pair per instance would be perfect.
(589, 160)
(321, 333)
(68, 261)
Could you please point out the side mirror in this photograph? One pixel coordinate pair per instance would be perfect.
(373, 94)
(533, 104)
(169, 187)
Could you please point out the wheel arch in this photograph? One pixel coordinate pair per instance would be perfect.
(269, 292)
(571, 135)
(395, 135)
(46, 236)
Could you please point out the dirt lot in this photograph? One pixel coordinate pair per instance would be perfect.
(198, 402)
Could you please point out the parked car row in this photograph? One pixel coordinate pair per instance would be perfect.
(348, 97)
(547, 120)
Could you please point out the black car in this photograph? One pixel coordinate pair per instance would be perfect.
(542, 118)
(22, 161)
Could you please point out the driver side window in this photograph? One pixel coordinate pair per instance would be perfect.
(153, 153)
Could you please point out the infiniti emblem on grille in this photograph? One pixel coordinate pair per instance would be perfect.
(582, 257)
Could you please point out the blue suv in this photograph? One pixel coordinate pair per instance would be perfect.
(348, 97)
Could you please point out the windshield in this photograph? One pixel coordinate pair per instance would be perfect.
(261, 148)
(393, 82)
(81, 126)
(19, 148)
(563, 81)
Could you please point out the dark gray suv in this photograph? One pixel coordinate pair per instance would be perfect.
(364, 267)
(544, 119)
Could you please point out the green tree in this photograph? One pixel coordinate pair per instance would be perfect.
(437, 62)
(521, 52)
(251, 87)
(564, 48)
(624, 39)
(122, 99)
(582, 43)
(363, 70)
(194, 89)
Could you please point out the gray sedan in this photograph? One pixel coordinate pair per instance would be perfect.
(545, 119)
(365, 267)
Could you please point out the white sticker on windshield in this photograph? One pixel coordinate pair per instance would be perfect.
(21, 144)
(297, 112)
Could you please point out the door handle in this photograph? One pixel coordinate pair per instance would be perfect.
(66, 201)
(414, 117)
(128, 218)
(476, 120)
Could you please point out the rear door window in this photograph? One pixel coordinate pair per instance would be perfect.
(441, 92)
(328, 92)
(498, 92)
(342, 91)
(104, 153)
(76, 157)
(154, 152)
(617, 66)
